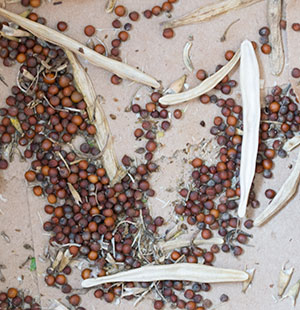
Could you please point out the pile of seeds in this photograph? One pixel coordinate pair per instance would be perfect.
(110, 226)
(14, 299)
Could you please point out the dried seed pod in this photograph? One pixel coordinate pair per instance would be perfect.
(293, 292)
(277, 55)
(96, 114)
(207, 85)
(246, 283)
(43, 32)
(249, 79)
(284, 279)
(186, 56)
(286, 192)
(110, 5)
(180, 271)
(209, 11)
(173, 244)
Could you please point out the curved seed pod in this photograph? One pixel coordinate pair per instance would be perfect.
(286, 192)
(249, 80)
(181, 271)
(121, 69)
(208, 11)
(207, 85)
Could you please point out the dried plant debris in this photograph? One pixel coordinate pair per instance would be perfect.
(43, 32)
(177, 243)
(292, 143)
(97, 116)
(285, 276)
(186, 56)
(5, 236)
(205, 86)
(277, 54)
(286, 192)
(293, 293)
(208, 11)
(247, 283)
(249, 79)
(176, 86)
(224, 36)
(74, 193)
(110, 5)
(181, 272)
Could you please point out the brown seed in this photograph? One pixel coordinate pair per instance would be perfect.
(35, 3)
(156, 10)
(116, 24)
(12, 292)
(201, 75)
(197, 162)
(134, 16)
(148, 14)
(115, 80)
(177, 114)
(60, 279)
(74, 300)
(99, 48)
(266, 48)
(296, 26)
(296, 73)
(62, 26)
(37, 190)
(158, 304)
(270, 193)
(123, 35)
(168, 33)
(50, 280)
(167, 6)
(229, 54)
(89, 30)
(86, 273)
(30, 176)
(206, 234)
(120, 10)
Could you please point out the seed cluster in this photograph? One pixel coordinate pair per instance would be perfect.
(110, 226)
(14, 299)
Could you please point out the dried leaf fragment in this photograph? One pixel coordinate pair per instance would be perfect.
(293, 292)
(67, 257)
(246, 283)
(176, 86)
(277, 55)
(74, 193)
(207, 85)
(43, 32)
(180, 271)
(208, 11)
(16, 124)
(285, 276)
(249, 80)
(286, 192)
(58, 258)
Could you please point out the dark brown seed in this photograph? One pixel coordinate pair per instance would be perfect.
(224, 298)
(270, 193)
(296, 73)
(264, 31)
(201, 75)
(134, 16)
(148, 14)
(116, 24)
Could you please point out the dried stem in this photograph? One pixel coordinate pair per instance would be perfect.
(209, 11)
(182, 272)
(52, 36)
(277, 54)
(207, 85)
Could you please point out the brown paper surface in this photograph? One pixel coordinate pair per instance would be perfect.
(273, 244)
